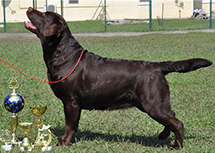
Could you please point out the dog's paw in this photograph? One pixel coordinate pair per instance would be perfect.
(174, 147)
(62, 141)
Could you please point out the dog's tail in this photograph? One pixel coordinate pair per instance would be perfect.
(184, 65)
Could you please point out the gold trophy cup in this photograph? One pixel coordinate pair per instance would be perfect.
(25, 126)
(38, 111)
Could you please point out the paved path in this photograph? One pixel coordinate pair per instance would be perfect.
(111, 34)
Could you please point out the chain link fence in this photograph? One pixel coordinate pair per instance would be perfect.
(118, 16)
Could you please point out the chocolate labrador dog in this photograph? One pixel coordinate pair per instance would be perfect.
(102, 83)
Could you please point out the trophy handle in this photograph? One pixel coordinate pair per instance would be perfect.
(46, 143)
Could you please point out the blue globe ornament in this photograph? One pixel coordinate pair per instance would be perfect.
(14, 102)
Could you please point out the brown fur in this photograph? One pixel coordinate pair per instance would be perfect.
(102, 83)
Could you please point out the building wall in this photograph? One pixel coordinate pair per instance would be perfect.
(13, 11)
(120, 9)
(206, 7)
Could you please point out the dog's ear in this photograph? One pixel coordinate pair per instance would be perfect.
(54, 29)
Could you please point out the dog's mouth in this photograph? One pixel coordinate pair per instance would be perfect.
(29, 25)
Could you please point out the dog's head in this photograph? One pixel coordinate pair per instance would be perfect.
(48, 24)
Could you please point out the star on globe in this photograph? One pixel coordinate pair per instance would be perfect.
(14, 102)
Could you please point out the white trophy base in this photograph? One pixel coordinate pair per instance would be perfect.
(46, 148)
(7, 147)
(25, 149)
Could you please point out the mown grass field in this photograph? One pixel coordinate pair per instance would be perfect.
(98, 26)
(121, 131)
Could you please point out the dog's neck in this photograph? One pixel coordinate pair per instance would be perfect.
(68, 41)
(61, 51)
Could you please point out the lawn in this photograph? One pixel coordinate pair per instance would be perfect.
(98, 26)
(192, 94)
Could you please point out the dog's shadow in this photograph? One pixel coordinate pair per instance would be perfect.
(148, 141)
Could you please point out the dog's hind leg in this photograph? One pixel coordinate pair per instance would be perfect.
(171, 123)
(72, 116)
(154, 97)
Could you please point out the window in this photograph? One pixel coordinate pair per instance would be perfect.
(143, 2)
(73, 2)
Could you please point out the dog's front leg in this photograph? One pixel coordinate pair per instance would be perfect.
(72, 116)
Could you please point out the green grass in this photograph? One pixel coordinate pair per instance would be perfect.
(98, 26)
(192, 94)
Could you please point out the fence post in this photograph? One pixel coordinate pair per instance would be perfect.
(46, 5)
(150, 15)
(61, 5)
(4, 15)
(105, 13)
(210, 14)
(162, 14)
(35, 4)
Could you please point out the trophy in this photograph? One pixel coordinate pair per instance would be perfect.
(45, 132)
(6, 138)
(14, 102)
(25, 145)
(38, 111)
